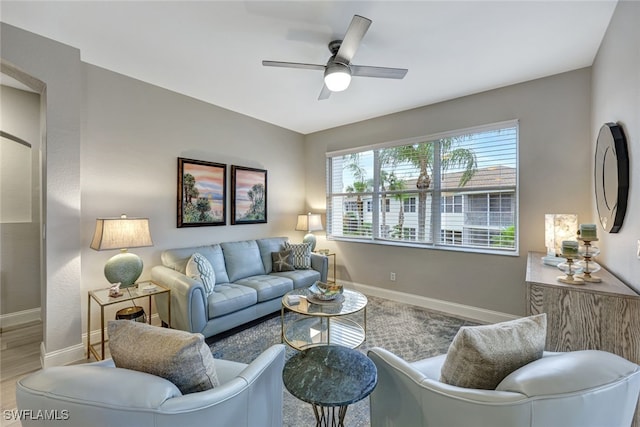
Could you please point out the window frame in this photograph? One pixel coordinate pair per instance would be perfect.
(433, 228)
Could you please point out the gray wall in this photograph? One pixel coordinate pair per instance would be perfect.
(554, 153)
(616, 98)
(132, 135)
(20, 235)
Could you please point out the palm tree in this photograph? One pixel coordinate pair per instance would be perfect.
(397, 184)
(360, 184)
(422, 157)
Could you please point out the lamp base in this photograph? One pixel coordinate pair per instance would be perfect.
(123, 268)
(310, 238)
(553, 260)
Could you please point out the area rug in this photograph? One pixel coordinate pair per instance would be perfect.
(411, 332)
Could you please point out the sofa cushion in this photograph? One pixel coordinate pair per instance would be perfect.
(200, 269)
(301, 278)
(267, 286)
(178, 356)
(282, 261)
(267, 246)
(481, 356)
(301, 254)
(242, 259)
(177, 259)
(229, 297)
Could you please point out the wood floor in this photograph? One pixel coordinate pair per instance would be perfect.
(19, 356)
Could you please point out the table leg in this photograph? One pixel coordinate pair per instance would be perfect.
(326, 415)
(169, 307)
(89, 326)
(149, 320)
(282, 324)
(102, 330)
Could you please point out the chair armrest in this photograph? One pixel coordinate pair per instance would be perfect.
(320, 263)
(569, 372)
(189, 310)
(255, 394)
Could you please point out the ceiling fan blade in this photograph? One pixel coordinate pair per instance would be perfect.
(356, 31)
(324, 93)
(381, 72)
(293, 65)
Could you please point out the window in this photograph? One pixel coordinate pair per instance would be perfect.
(410, 204)
(453, 190)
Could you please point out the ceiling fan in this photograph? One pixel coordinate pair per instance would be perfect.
(339, 69)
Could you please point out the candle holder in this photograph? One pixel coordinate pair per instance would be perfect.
(588, 251)
(570, 268)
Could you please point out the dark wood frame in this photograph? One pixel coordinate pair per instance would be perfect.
(235, 199)
(219, 195)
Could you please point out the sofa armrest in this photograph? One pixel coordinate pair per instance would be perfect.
(189, 310)
(320, 263)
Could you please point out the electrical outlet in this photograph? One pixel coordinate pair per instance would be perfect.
(638, 250)
(392, 277)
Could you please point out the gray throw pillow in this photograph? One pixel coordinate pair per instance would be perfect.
(282, 261)
(178, 356)
(482, 356)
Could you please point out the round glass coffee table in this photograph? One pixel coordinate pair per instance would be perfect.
(342, 321)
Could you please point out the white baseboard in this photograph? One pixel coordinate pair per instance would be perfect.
(19, 317)
(61, 357)
(459, 310)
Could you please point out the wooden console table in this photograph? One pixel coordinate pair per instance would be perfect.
(594, 316)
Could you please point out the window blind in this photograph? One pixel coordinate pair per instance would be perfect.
(452, 190)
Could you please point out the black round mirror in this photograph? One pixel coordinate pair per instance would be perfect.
(611, 174)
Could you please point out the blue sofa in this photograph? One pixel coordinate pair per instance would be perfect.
(246, 286)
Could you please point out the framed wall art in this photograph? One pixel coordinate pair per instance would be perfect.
(248, 195)
(201, 193)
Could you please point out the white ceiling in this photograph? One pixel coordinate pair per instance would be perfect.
(212, 50)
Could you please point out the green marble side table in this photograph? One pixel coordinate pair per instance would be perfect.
(330, 377)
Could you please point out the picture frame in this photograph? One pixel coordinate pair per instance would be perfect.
(248, 195)
(202, 193)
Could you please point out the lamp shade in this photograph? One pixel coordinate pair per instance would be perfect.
(309, 223)
(559, 227)
(122, 233)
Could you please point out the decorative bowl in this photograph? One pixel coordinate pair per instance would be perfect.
(325, 291)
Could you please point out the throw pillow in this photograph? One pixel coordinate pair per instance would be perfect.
(282, 261)
(178, 356)
(301, 255)
(200, 269)
(482, 356)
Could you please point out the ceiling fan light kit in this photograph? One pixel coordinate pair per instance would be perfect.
(337, 77)
(339, 69)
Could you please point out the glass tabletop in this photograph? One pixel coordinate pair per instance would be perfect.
(347, 303)
(144, 289)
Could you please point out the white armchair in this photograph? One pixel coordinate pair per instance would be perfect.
(582, 389)
(100, 395)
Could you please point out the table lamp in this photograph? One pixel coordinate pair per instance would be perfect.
(309, 223)
(122, 233)
(558, 228)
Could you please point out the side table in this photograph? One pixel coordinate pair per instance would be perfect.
(330, 377)
(102, 298)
